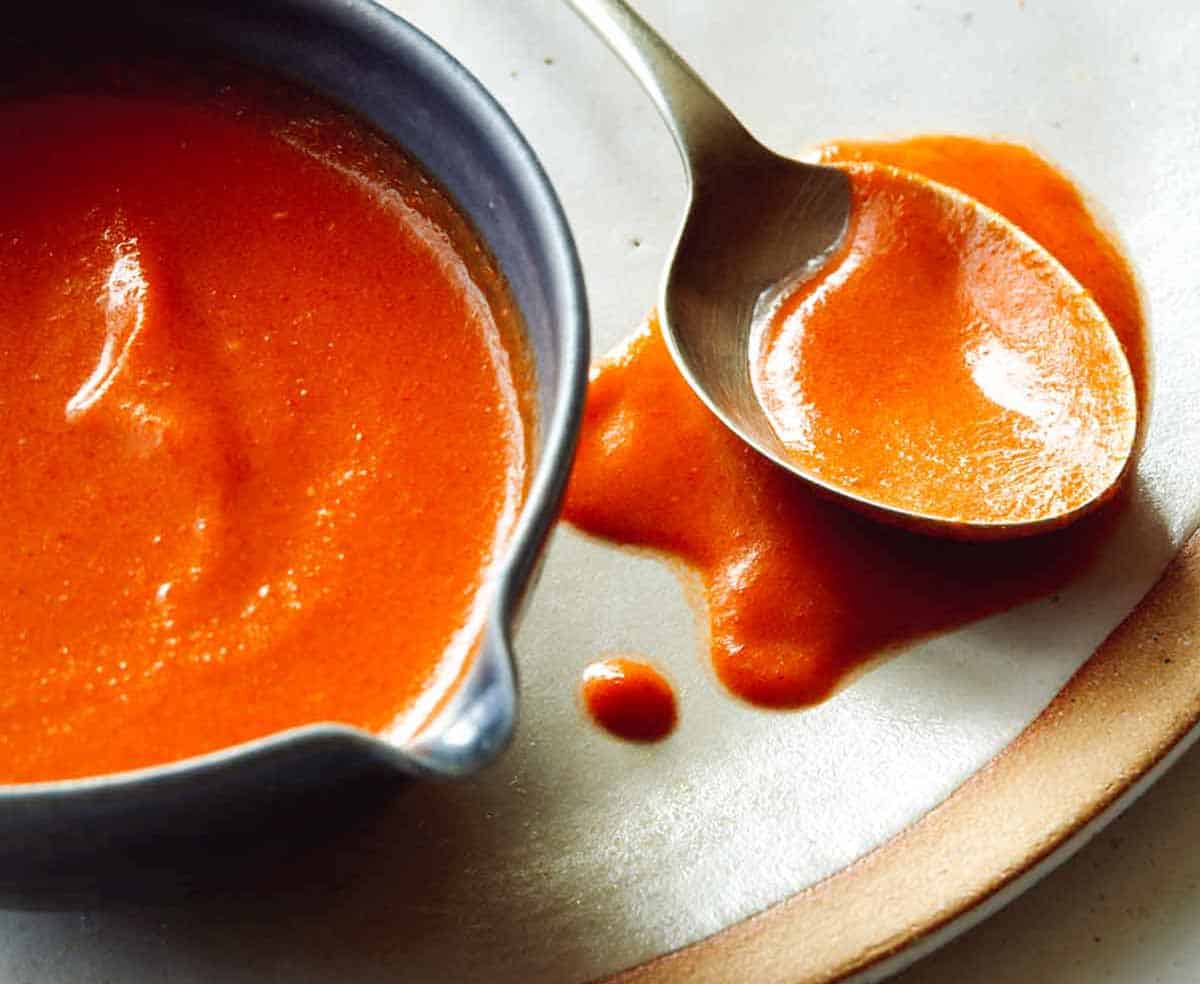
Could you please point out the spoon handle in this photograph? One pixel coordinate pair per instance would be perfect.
(705, 131)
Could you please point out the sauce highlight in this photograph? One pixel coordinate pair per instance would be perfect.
(629, 698)
(800, 591)
(941, 365)
(263, 421)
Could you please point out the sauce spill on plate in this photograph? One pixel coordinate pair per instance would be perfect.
(629, 698)
(263, 421)
(800, 591)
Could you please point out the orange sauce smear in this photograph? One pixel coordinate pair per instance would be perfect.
(262, 419)
(801, 591)
(629, 699)
(941, 365)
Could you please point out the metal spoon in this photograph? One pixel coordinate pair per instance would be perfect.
(756, 220)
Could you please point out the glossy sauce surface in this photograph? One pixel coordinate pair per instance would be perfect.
(262, 421)
(942, 365)
(629, 698)
(800, 591)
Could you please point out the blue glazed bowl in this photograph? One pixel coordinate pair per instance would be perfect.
(113, 835)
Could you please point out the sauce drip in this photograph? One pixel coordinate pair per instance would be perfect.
(941, 365)
(262, 421)
(629, 698)
(799, 590)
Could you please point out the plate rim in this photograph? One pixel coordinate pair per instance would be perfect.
(866, 922)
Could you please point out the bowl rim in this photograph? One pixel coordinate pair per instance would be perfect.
(559, 430)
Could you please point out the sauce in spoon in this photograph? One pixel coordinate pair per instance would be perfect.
(941, 363)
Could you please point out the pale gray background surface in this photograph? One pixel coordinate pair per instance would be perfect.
(1125, 910)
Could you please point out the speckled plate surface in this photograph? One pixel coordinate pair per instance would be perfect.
(577, 857)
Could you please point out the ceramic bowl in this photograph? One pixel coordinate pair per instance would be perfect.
(110, 834)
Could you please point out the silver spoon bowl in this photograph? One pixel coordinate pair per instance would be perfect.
(756, 221)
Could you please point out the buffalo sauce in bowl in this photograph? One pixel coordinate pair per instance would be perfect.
(265, 422)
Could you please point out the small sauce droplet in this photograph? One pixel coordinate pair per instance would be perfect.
(629, 699)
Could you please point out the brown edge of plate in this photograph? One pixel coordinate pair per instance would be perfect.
(1115, 726)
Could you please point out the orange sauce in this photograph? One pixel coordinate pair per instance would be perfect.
(1036, 197)
(941, 365)
(799, 590)
(263, 420)
(629, 698)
